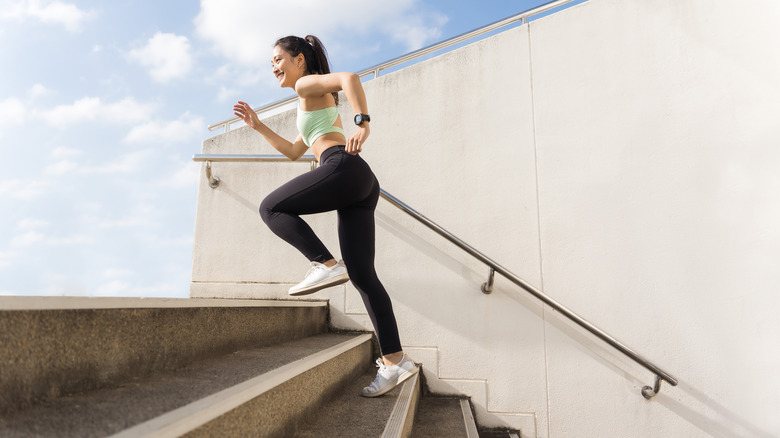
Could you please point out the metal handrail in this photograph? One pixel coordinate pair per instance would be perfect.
(487, 287)
(228, 158)
(647, 391)
(375, 70)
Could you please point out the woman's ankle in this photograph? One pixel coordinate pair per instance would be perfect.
(393, 358)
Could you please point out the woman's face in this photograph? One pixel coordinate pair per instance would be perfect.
(286, 68)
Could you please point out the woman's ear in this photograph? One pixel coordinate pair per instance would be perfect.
(300, 61)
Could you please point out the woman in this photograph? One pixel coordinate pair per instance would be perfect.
(343, 182)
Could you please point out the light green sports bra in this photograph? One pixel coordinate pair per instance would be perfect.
(315, 124)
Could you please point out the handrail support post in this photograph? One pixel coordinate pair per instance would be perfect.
(648, 392)
(487, 287)
(213, 180)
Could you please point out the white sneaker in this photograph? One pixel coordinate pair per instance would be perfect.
(390, 376)
(319, 277)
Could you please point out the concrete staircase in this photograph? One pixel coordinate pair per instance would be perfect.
(80, 367)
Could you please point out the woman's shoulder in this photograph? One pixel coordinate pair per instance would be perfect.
(315, 85)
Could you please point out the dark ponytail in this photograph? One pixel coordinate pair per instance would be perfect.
(313, 53)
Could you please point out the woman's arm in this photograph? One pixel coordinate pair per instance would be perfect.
(314, 86)
(292, 151)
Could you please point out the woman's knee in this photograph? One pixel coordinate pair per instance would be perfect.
(267, 209)
(367, 283)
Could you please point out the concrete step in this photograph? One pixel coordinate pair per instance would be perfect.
(489, 433)
(75, 367)
(54, 346)
(350, 415)
(252, 392)
(440, 417)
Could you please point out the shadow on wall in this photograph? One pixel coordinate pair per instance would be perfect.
(721, 422)
(224, 187)
(407, 234)
(495, 421)
(451, 284)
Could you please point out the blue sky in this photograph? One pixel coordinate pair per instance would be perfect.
(103, 104)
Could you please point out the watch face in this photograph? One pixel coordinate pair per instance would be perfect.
(358, 119)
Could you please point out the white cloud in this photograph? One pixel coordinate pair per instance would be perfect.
(23, 189)
(186, 176)
(186, 128)
(5, 261)
(59, 168)
(166, 55)
(112, 273)
(414, 32)
(56, 12)
(121, 288)
(128, 163)
(130, 222)
(31, 223)
(39, 90)
(227, 94)
(241, 77)
(137, 216)
(122, 164)
(92, 108)
(32, 238)
(63, 152)
(113, 289)
(64, 166)
(12, 112)
(27, 239)
(244, 30)
(117, 284)
(76, 239)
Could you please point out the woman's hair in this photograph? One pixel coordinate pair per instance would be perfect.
(313, 53)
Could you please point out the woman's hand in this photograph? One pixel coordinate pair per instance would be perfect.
(247, 114)
(355, 143)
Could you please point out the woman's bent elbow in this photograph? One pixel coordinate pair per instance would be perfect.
(295, 156)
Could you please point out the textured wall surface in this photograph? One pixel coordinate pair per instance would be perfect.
(622, 156)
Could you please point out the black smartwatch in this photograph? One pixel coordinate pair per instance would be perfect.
(360, 118)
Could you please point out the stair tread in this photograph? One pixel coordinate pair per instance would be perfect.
(350, 415)
(111, 410)
(490, 433)
(439, 417)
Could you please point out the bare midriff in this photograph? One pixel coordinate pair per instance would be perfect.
(327, 141)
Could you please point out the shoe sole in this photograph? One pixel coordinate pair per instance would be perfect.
(328, 282)
(389, 388)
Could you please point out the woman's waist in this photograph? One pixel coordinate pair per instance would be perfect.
(326, 142)
(332, 151)
(337, 156)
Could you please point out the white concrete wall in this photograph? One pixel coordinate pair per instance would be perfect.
(621, 155)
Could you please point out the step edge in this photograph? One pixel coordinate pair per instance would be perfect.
(186, 418)
(18, 303)
(402, 415)
(468, 419)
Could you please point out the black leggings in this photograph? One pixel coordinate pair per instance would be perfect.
(344, 183)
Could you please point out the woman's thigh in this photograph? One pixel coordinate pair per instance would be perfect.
(339, 183)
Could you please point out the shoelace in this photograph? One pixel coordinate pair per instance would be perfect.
(316, 268)
(374, 386)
